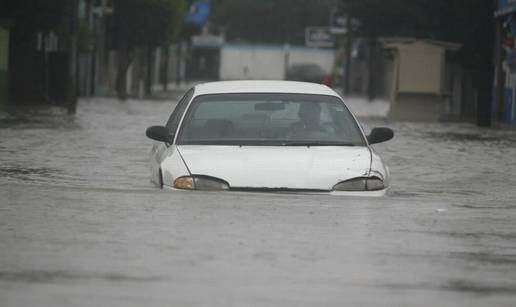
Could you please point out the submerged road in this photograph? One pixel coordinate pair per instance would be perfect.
(81, 225)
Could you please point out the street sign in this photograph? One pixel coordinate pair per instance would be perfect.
(198, 13)
(319, 37)
(505, 7)
(502, 4)
(339, 23)
(208, 40)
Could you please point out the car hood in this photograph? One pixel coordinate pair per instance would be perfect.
(311, 168)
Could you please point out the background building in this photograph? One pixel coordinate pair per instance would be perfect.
(426, 82)
(240, 61)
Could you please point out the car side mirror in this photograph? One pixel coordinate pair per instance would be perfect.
(158, 133)
(380, 135)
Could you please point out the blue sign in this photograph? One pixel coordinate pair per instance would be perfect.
(502, 4)
(505, 7)
(199, 12)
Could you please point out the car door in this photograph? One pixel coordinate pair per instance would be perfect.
(160, 150)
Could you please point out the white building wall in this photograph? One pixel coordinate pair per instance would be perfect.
(268, 62)
(251, 63)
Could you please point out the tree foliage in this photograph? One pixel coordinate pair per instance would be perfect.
(270, 21)
(468, 22)
(461, 21)
(150, 22)
(281, 21)
(144, 24)
(35, 15)
(415, 17)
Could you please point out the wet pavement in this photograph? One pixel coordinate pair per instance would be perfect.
(81, 224)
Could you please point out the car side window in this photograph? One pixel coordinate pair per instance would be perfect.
(175, 118)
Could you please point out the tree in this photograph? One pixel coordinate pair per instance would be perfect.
(144, 24)
(388, 18)
(467, 22)
(36, 15)
(270, 21)
(30, 19)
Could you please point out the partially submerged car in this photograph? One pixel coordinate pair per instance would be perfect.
(277, 136)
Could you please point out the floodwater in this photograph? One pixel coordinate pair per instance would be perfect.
(81, 225)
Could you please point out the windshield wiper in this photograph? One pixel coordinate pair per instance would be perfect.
(317, 143)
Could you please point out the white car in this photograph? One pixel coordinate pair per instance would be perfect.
(267, 136)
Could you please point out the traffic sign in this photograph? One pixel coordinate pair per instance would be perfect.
(319, 37)
(339, 23)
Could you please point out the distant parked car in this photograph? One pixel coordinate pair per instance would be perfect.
(266, 136)
(308, 73)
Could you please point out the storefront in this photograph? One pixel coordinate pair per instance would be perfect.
(504, 108)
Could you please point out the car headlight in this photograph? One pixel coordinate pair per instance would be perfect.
(202, 183)
(360, 184)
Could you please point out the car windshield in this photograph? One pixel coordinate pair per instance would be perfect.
(269, 120)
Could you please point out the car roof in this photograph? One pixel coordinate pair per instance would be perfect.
(263, 86)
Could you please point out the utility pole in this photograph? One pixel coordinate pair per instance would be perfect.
(286, 60)
(371, 66)
(166, 64)
(486, 71)
(100, 76)
(179, 62)
(72, 48)
(120, 13)
(348, 50)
